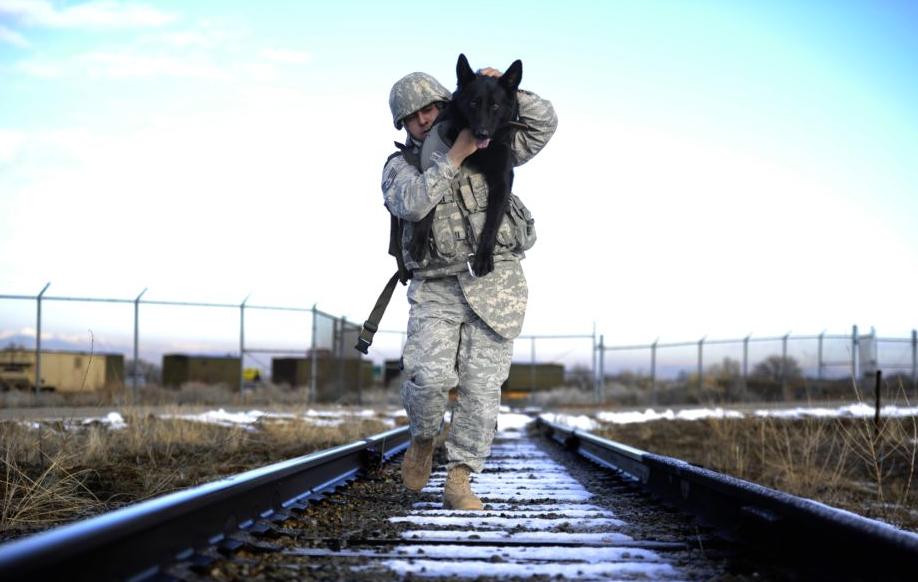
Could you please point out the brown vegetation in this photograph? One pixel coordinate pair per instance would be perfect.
(263, 394)
(53, 473)
(845, 462)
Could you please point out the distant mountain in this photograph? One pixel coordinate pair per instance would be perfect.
(28, 342)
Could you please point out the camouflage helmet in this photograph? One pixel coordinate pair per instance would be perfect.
(414, 92)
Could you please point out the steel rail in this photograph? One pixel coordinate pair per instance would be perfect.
(136, 542)
(810, 533)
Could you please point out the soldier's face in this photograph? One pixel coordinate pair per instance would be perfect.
(420, 122)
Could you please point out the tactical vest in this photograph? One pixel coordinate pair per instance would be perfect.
(458, 222)
(459, 219)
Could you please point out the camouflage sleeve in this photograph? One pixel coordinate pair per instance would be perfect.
(540, 117)
(410, 194)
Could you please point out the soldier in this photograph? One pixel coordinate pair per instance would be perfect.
(460, 327)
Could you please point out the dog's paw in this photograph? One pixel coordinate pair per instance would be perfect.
(483, 264)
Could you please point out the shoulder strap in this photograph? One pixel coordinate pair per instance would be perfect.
(371, 325)
(395, 223)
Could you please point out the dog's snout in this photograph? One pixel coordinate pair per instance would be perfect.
(482, 134)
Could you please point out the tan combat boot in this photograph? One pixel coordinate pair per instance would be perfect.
(457, 494)
(416, 464)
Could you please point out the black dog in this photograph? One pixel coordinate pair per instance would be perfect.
(487, 106)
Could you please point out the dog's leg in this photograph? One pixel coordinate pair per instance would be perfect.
(499, 175)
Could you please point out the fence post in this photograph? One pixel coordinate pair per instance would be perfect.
(784, 386)
(242, 344)
(746, 366)
(359, 379)
(854, 353)
(593, 360)
(819, 361)
(701, 364)
(339, 355)
(136, 344)
(313, 359)
(601, 393)
(915, 360)
(653, 371)
(38, 339)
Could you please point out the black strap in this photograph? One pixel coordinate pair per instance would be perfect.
(371, 325)
(395, 248)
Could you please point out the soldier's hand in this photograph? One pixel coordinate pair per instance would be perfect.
(463, 147)
(489, 72)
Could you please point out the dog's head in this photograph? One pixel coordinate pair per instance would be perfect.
(486, 104)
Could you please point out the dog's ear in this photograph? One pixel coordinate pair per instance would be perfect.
(511, 79)
(464, 73)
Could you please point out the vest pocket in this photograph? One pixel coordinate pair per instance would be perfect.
(523, 224)
(444, 237)
(505, 236)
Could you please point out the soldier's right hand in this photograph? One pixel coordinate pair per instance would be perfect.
(463, 147)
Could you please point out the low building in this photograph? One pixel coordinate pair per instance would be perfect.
(335, 378)
(527, 378)
(62, 371)
(392, 371)
(180, 369)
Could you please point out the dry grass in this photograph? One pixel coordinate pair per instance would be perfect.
(846, 462)
(45, 498)
(57, 473)
(192, 393)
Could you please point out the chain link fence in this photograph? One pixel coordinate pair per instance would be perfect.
(784, 368)
(314, 351)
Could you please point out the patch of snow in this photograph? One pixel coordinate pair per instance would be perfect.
(112, 420)
(487, 568)
(522, 511)
(547, 553)
(520, 537)
(856, 410)
(505, 523)
(553, 507)
(650, 414)
(510, 420)
(221, 417)
(581, 421)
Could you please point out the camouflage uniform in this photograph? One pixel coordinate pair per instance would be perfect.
(461, 328)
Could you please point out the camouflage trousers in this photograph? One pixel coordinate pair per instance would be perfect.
(449, 345)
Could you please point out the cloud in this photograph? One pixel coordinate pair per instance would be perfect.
(287, 57)
(122, 65)
(94, 14)
(11, 143)
(14, 38)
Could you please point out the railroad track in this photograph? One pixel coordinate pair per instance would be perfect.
(342, 514)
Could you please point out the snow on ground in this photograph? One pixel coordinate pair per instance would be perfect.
(246, 419)
(856, 410)
(508, 420)
(581, 421)
(512, 420)
(651, 414)
(328, 418)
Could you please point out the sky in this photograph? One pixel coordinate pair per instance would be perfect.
(720, 168)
